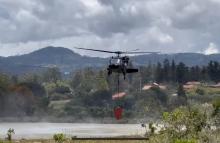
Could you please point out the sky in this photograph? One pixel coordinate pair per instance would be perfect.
(166, 26)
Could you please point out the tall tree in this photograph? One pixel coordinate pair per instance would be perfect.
(166, 70)
(214, 70)
(181, 73)
(173, 71)
(159, 73)
(52, 75)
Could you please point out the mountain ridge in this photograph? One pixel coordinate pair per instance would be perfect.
(68, 60)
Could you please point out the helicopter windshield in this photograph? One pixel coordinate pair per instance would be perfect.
(116, 61)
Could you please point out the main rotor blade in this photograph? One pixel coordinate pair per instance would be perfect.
(118, 52)
(141, 52)
(96, 50)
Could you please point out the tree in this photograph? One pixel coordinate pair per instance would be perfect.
(146, 73)
(10, 133)
(21, 101)
(184, 123)
(214, 70)
(204, 74)
(31, 77)
(181, 91)
(159, 73)
(14, 79)
(4, 82)
(182, 98)
(194, 73)
(76, 79)
(166, 70)
(52, 75)
(181, 72)
(173, 71)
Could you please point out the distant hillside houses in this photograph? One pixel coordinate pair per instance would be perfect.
(187, 86)
(215, 85)
(149, 86)
(191, 85)
(118, 95)
(194, 84)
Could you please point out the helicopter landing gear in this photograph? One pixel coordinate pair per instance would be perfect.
(124, 75)
(109, 72)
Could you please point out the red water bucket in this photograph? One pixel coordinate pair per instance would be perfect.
(118, 113)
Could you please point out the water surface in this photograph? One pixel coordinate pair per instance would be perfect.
(46, 130)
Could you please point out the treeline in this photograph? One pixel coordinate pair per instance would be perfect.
(88, 92)
(181, 73)
(26, 95)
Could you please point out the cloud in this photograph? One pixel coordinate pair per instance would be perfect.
(159, 36)
(212, 49)
(158, 25)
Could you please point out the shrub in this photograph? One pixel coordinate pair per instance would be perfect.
(184, 123)
(216, 112)
(59, 138)
(152, 128)
(200, 91)
(10, 133)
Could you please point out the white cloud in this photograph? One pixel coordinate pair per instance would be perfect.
(160, 25)
(156, 34)
(93, 7)
(212, 49)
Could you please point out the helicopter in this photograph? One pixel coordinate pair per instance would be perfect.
(119, 64)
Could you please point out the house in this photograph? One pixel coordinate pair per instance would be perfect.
(215, 85)
(149, 86)
(118, 95)
(191, 85)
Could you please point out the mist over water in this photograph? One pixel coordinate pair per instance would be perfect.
(47, 130)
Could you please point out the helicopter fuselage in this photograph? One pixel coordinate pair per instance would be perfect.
(120, 65)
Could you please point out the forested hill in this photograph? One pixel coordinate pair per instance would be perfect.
(68, 61)
(60, 57)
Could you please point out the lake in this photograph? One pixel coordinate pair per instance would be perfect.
(46, 130)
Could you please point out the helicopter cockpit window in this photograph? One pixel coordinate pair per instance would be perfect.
(116, 61)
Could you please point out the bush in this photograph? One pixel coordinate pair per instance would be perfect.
(152, 128)
(10, 133)
(216, 112)
(200, 91)
(59, 138)
(184, 123)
